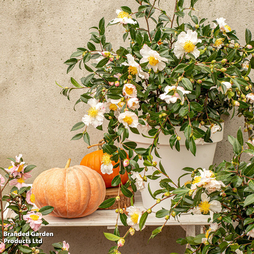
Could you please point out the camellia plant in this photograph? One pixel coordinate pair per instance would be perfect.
(228, 191)
(171, 74)
(19, 231)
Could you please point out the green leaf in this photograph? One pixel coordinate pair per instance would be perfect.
(75, 83)
(249, 200)
(78, 126)
(237, 148)
(126, 192)
(24, 249)
(143, 220)
(116, 180)
(156, 232)
(102, 62)
(107, 203)
(247, 36)
(187, 84)
(123, 218)
(251, 184)
(29, 168)
(111, 237)
(86, 138)
(102, 26)
(77, 136)
(162, 213)
(46, 210)
(58, 245)
(26, 227)
(126, 9)
(130, 145)
(240, 136)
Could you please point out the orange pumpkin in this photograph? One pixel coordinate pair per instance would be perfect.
(93, 160)
(73, 191)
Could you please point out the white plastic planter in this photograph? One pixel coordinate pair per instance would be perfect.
(174, 161)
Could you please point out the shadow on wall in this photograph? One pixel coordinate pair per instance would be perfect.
(91, 240)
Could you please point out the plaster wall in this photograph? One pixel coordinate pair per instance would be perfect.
(36, 37)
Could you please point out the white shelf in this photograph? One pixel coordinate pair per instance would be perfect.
(108, 218)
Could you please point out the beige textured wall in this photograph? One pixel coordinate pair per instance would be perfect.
(36, 37)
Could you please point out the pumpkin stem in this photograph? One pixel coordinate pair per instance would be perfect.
(99, 145)
(68, 163)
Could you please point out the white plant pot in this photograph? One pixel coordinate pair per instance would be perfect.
(174, 161)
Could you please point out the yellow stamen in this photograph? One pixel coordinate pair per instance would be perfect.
(152, 61)
(207, 233)
(20, 168)
(129, 90)
(106, 159)
(34, 217)
(128, 120)
(93, 112)
(32, 198)
(218, 42)
(204, 207)
(20, 180)
(134, 218)
(188, 182)
(197, 179)
(112, 107)
(133, 70)
(228, 28)
(123, 14)
(188, 46)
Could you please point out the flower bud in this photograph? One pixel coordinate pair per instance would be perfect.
(173, 214)
(158, 200)
(234, 189)
(117, 83)
(154, 163)
(121, 210)
(120, 242)
(149, 210)
(144, 178)
(117, 198)
(223, 61)
(117, 210)
(199, 81)
(129, 76)
(246, 78)
(196, 26)
(167, 194)
(132, 231)
(178, 138)
(126, 162)
(223, 69)
(249, 46)
(167, 217)
(236, 45)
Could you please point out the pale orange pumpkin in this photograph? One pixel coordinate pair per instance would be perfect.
(93, 160)
(73, 191)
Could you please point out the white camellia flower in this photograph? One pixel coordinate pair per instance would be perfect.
(214, 185)
(133, 103)
(106, 164)
(135, 68)
(134, 215)
(95, 113)
(250, 97)
(123, 18)
(139, 180)
(129, 90)
(115, 104)
(173, 98)
(205, 206)
(222, 24)
(186, 43)
(251, 233)
(155, 61)
(245, 65)
(128, 118)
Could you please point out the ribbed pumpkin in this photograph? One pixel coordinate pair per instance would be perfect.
(93, 160)
(73, 191)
